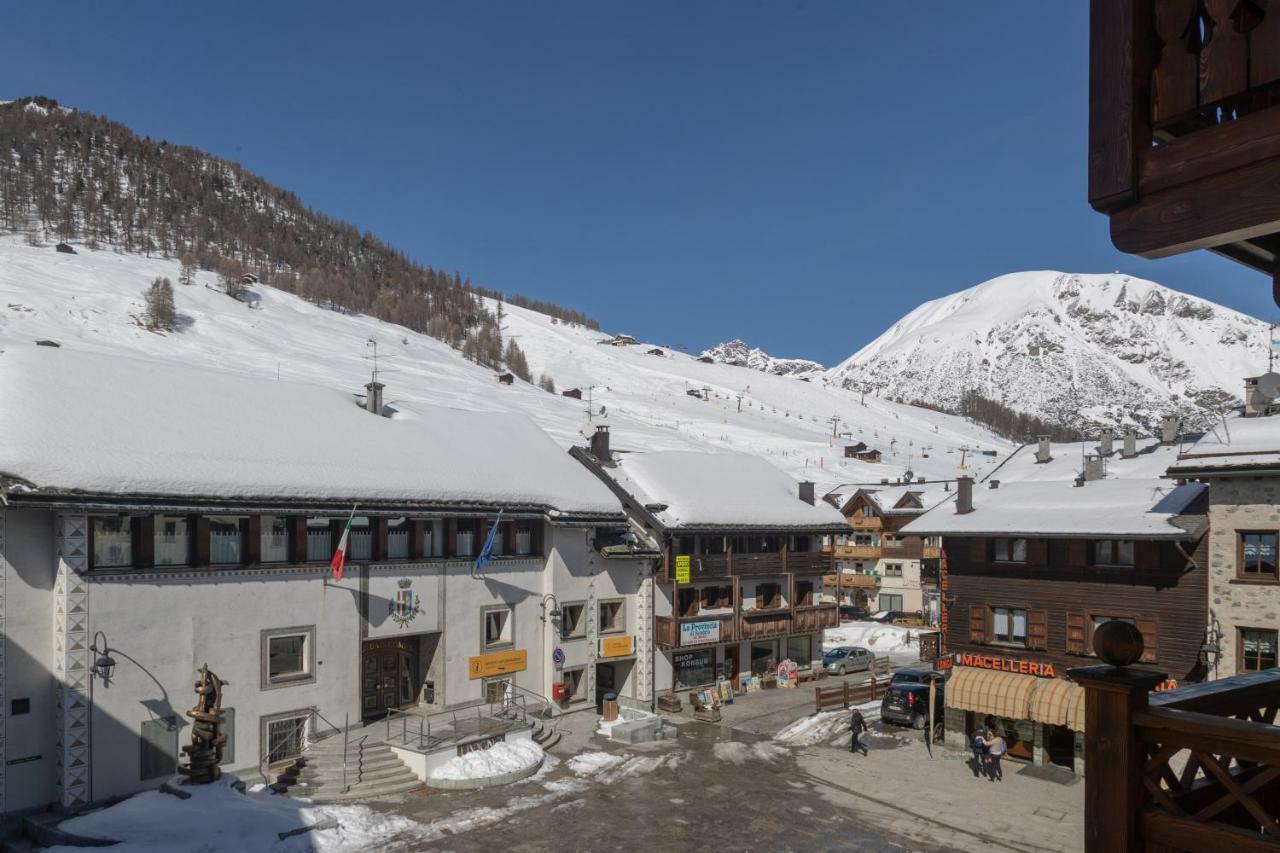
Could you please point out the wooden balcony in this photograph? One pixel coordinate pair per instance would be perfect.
(931, 552)
(850, 580)
(1192, 770)
(758, 624)
(908, 549)
(807, 563)
(758, 565)
(667, 629)
(862, 522)
(1184, 127)
(814, 618)
(856, 552)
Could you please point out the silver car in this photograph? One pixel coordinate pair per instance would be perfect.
(848, 659)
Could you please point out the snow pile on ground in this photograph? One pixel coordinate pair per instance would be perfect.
(879, 638)
(737, 752)
(825, 726)
(587, 763)
(498, 760)
(219, 819)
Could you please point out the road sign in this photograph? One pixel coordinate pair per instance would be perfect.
(557, 656)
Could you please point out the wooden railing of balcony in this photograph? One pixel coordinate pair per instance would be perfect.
(807, 562)
(849, 580)
(856, 552)
(705, 566)
(906, 549)
(814, 618)
(862, 522)
(930, 552)
(755, 565)
(1190, 771)
(667, 629)
(757, 624)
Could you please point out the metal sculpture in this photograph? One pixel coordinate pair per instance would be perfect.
(204, 753)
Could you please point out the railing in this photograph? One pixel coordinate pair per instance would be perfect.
(808, 562)
(319, 544)
(361, 544)
(224, 548)
(755, 624)
(274, 547)
(309, 737)
(709, 565)
(857, 552)
(757, 564)
(1196, 770)
(397, 544)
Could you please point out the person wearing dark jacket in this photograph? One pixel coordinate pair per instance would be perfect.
(857, 725)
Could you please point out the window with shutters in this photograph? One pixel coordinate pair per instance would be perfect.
(1009, 626)
(1075, 633)
(978, 623)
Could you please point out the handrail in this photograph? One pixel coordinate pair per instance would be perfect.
(313, 713)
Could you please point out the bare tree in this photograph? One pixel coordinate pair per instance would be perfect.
(160, 314)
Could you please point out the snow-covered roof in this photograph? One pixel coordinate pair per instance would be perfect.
(1067, 461)
(1238, 445)
(1128, 509)
(690, 489)
(886, 498)
(114, 425)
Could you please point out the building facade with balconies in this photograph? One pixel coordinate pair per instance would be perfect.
(738, 588)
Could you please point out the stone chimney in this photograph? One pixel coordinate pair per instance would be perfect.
(1106, 441)
(1130, 444)
(806, 492)
(994, 484)
(1092, 468)
(373, 397)
(964, 495)
(1043, 453)
(600, 443)
(1169, 429)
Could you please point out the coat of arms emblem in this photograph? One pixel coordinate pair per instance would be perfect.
(405, 607)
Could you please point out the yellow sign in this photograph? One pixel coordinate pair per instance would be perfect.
(682, 568)
(498, 663)
(614, 647)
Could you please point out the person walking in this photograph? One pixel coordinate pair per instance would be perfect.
(979, 746)
(857, 725)
(996, 748)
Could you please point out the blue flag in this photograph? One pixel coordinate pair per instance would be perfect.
(486, 553)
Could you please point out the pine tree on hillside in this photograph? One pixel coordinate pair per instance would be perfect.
(160, 314)
(546, 383)
(516, 362)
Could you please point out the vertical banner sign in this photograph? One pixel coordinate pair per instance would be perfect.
(942, 604)
(682, 568)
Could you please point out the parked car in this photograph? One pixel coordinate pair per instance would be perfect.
(848, 659)
(850, 613)
(906, 701)
(888, 616)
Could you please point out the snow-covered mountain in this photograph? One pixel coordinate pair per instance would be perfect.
(92, 302)
(1073, 349)
(737, 353)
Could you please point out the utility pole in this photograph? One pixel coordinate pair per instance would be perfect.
(835, 425)
(371, 342)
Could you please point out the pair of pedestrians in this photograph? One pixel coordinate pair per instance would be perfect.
(989, 748)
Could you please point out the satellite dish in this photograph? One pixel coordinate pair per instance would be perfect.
(1269, 386)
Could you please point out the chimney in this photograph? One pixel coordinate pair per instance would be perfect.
(1254, 405)
(964, 495)
(373, 397)
(806, 492)
(600, 444)
(1105, 442)
(1043, 453)
(1092, 468)
(1169, 429)
(884, 481)
(994, 484)
(1130, 444)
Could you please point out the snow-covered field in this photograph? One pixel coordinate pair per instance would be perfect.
(89, 302)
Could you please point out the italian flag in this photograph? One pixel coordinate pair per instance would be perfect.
(339, 560)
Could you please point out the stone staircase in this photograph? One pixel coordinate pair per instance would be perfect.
(545, 734)
(373, 770)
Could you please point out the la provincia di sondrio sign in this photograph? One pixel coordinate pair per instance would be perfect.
(697, 633)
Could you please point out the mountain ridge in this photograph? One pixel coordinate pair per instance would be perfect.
(736, 352)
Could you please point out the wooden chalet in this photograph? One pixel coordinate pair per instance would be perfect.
(575, 393)
(506, 379)
(1034, 569)
(1184, 127)
(880, 567)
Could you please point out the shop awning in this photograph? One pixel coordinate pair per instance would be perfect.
(988, 691)
(1059, 702)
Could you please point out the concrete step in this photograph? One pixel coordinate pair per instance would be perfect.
(368, 758)
(329, 775)
(360, 792)
(550, 741)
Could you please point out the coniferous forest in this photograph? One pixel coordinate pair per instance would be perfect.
(70, 175)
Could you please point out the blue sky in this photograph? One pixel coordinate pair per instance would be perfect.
(798, 174)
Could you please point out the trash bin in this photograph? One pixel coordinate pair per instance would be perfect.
(610, 707)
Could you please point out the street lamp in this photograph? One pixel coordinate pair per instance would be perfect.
(104, 666)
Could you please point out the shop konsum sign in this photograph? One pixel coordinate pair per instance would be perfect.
(698, 633)
(1042, 669)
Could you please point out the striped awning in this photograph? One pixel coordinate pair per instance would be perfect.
(989, 691)
(1059, 702)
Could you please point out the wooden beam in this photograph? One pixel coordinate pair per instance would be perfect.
(1206, 152)
(1121, 50)
(1225, 208)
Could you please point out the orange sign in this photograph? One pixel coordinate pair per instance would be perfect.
(1022, 667)
(498, 663)
(1170, 684)
(614, 647)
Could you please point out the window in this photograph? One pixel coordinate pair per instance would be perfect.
(572, 620)
(1113, 552)
(288, 656)
(804, 593)
(575, 684)
(496, 690)
(1257, 649)
(890, 602)
(319, 540)
(360, 542)
(716, 597)
(19, 706)
(171, 541)
(398, 539)
(1009, 550)
(800, 650)
(1257, 556)
(524, 540)
(1009, 626)
(224, 541)
(613, 617)
(159, 745)
(499, 536)
(868, 512)
(112, 542)
(687, 601)
(893, 570)
(768, 595)
(464, 541)
(285, 735)
(497, 625)
(273, 546)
